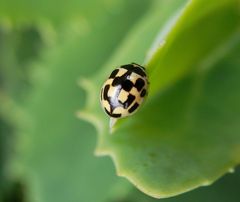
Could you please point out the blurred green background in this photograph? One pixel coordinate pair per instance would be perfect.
(46, 152)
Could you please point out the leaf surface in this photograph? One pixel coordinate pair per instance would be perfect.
(187, 133)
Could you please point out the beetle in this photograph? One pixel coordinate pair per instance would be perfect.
(124, 91)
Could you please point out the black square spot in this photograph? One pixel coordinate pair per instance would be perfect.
(105, 92)
(116, 81)
(127, 85)
(114, 73)
(133, 108)
(129, 101)
(143, 93)
(139, 84)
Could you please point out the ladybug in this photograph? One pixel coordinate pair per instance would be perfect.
(124, 91)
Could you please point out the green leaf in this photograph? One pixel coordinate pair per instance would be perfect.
(19, 47)
(202, 35)
(57, 12)
(186, 134)
(224, 190)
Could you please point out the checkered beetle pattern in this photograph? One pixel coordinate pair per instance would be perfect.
(124, 90)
